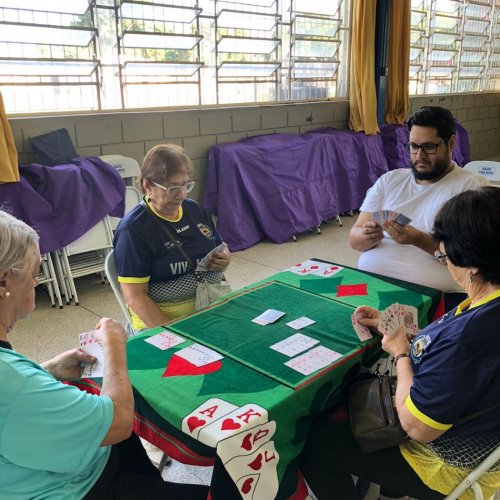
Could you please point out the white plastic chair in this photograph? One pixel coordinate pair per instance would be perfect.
(471, 480)
(132, 198)
(127, 167)
(111, 274)
(84, 256)
(486, 168)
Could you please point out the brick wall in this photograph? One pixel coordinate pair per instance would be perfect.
(133, 133)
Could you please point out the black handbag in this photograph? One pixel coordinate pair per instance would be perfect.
(374, 418)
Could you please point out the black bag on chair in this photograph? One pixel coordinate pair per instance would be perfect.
(374, 418)
(53, 148)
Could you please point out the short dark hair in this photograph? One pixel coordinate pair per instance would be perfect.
(469, 227)
(434, 116)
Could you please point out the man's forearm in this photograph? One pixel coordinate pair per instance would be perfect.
(358, 240)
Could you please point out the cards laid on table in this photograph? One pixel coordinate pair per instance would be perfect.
(294, 345)
(316, 268)
(164, 340)
(362, 332)
(199, 355)
(203, 263)
(313, 360)
(299, 323)
(397, 315)
(268, 317)
(381, 216)
(92, 347)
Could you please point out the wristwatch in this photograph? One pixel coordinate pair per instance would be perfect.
(399, 356)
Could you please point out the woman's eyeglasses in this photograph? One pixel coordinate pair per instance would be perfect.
(440, 257)
(428, 148)
(173, 190)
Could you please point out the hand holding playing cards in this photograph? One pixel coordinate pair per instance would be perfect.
(219, 261)
(370, 316)
(404, 235)
(396, 343)
(68, 365)
(110, 331)
(372, 232)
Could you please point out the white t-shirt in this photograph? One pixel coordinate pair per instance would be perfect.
(397, 190)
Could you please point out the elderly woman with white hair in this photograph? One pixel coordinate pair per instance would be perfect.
(55, 440)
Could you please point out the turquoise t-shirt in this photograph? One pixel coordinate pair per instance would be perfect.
(49, 433)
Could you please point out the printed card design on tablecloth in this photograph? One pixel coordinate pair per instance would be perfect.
(203, 263)
(313, 360)
(294, 345)
(316, 268)
(267, 317)
(262, 462)
(299, 323)
(165, 340)
(199, 355)
(235, 422)
(381, 216)
(397, 315)
(362, 332)
(350, 290)
(210, 411)
(246, 442)
(92, 347)
(178, 367)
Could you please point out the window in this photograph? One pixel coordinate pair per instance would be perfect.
(126, 54)
(455, 46)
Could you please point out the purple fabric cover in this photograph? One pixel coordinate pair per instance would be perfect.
(279, 185)
(394, 138)
(63, 202)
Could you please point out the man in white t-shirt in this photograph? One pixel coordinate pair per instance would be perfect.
(407, 252)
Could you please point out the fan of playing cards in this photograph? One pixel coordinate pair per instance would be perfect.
(381, 216)
(397, 315)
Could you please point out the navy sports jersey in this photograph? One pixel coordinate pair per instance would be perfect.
(457, 370)
(143, 253)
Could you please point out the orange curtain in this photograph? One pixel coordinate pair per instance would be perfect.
(397, 100)
(362, 94)
(9, 171)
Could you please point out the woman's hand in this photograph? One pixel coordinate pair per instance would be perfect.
(396, 343)
(109, 330)
(220, 261)
(370, 316)
(68, 365)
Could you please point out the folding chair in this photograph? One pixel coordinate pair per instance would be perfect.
(132, 198)
(48, 277)
(111, 274)
(471, 480)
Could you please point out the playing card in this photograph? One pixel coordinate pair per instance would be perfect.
(303, 268)
(389, 320)
(264, 462)
(90, 346)
(246, 485)
(408, 317)
(235, 422)
(164, 340)
(210, 411)
(362, 332)
(313, 360)
(294, 345)
(202, 264)
(246, 442)
(269, 316)
(299, 323)
(199, 355)
(402, 219)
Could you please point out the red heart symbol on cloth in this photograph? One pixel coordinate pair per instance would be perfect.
(178, 366)
(246, 444)
(229, 424)
(257, 463)
(247, 485)
(194, 422)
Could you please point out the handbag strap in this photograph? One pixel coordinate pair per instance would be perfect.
(170, 236)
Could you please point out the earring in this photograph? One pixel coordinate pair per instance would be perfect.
(6, 294)
(471, 279)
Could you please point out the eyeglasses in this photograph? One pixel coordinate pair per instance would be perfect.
(440, 257)
(173, 190)
(428, 148)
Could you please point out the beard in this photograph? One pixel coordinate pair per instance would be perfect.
(440, 167)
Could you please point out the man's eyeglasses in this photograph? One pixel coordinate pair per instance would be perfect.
(173, 190)
(429, 148)
(440, 257)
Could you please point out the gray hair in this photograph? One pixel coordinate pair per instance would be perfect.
(17, 241)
